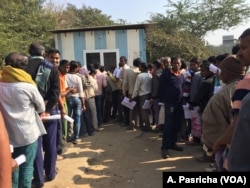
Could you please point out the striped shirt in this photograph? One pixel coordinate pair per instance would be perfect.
(242, 88)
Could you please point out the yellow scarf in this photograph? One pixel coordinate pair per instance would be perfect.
(10, 75)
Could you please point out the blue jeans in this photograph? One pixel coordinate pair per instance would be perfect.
(75, 109)
(22, 177)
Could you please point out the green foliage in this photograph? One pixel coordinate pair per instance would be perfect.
(201, 16)
(180, 32)
(181, 43)
(23, 22)
(72, 17)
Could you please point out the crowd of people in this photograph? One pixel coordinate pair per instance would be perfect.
(203, 103)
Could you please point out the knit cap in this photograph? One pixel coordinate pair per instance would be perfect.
(83, 71)
(232, 65)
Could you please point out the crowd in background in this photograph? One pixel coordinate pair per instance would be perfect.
(200, 102)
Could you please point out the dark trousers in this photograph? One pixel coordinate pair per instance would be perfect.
(60, 141)
(98, 102)
(172, 126)
(86, 116)
(46, 143)
(115, 100)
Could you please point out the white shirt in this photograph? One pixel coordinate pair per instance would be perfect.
(142, 84)
(20, 104)
(73, 80)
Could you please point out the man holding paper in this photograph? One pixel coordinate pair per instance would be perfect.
(142, 89)
(20, 112)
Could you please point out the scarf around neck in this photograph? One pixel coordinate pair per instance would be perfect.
(11, 75)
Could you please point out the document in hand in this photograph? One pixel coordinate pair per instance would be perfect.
(58, 116)
(147, 104)
(20, 159)
(128, 104)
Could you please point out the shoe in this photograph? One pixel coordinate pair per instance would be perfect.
(91, 134)
(192, 143)
(64, 150)
(210, 169)
(147, 129)
(84, 135)
(164, 154)
(130, 127)
(176, 148)
(59, 157)
(204, 158)
(76, 141)
(157, 128)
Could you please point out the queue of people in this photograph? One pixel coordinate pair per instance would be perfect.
(208, 106)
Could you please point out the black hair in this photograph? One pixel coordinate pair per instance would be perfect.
(102, 68)
(195, 60)
(157, 63)
(96, 65)
(212, 59)
(16, 60)
(64, 62)
(73, 65)
(235, 49)
(245, 34)
(54, 51)
(221, 57)
(205, 64)
(143, 65)
(123, 57)
(137, 62)
(92, 71)
(36, 49)
(183, 65)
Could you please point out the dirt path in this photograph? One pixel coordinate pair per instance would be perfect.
(116, 158)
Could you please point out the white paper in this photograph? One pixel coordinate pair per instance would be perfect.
(187, 112)
(58, 116)
(128, 104)
(217, 89)
(214, 69)
(68, 118)
(11, 148)
(20, 159)
(147, 104)
(161, 115)
(161, 104)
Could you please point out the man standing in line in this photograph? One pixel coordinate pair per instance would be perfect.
(47, 79)
(125, 110)
(170, 91)
(102, 83)
(239, 132)
(54, 56)
(128, 86)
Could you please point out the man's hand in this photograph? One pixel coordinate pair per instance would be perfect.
(14, 165)
(44, 114)
(217, 146)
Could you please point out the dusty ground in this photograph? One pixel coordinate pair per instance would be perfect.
(117, 158)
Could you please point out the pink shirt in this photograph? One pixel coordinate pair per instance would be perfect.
(101, 82)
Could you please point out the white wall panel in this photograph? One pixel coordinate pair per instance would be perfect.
(90, 40)
(133, 45)
(110, 37)
(67, 46)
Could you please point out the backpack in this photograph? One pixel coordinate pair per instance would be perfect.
(42, 75)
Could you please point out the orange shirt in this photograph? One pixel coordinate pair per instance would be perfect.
(63, 85)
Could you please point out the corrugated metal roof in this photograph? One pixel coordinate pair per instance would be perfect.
(112, 27)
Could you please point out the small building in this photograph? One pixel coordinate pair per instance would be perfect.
(104, 44)
(228, 40)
